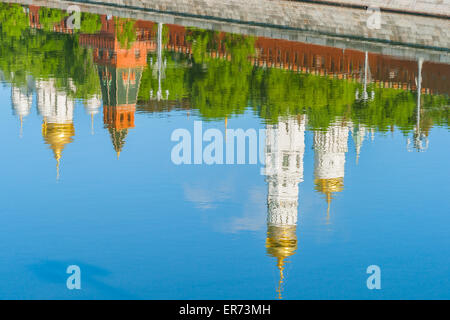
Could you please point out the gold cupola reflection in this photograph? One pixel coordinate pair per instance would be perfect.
(56, 107)
(58, 136)
(330, 147)
(285, 147)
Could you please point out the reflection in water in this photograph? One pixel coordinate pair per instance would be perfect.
(281, 243)
(358, 135)
(364, 96)
(289, 85)
(120, 66)
(330, 147)
(222, 74)
(420, 136)
(285, 146)
(21, 99)
(159, 66)
(92, 106)
(57, 109)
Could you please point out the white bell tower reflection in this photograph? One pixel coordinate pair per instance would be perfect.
(22, 100)
(56, 106)
(330, 147)
(285, 147)
(92, 107)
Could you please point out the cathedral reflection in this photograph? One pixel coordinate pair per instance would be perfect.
(285, 147)
(330, 147)
(22, 100)
(284, 152)
(56, 107)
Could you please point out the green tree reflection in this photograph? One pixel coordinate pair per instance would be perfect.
(217, 76)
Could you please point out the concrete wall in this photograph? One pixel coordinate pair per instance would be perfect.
(430, 7)
(328, 20)
(400, 35)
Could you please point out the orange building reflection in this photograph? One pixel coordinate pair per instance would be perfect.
(120, 63)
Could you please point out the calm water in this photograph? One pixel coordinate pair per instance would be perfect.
(355, 167)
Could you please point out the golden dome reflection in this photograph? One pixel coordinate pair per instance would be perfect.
(57, 136)
(281, 243)
(328, 187)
